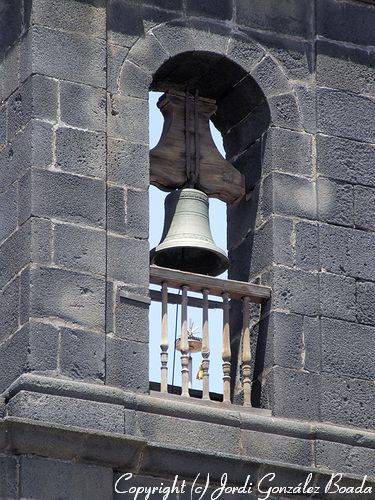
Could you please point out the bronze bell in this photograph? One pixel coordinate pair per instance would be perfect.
(186, 243)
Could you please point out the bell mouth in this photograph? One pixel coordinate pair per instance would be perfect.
(191, 259)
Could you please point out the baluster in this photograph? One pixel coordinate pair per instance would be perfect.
(246, 351)
(184, 343)
(205, 347)
(164, 338)
(226, 355)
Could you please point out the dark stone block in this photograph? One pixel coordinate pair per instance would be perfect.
(345, 68)
(64, 479)
(346, 459)
(312, 344)
(296, 394)
(81, 59)
(67, 411)
(293, 290)
(346, 160)
(81, 152)
(289, 195)
(128, 260)
(287, 341)
(270, 78)
(13, 358)
(364, 208)
(128, 163)
(288, 151)
(132, 320)
(346, 115)
(79, 248)
(83, 106)
(306, 96)
(74, 297)
(293, 17)
(220, 9)
(365, 302)
(347, 251)
(335, 202)
(10, 22)
(15, 253)
(348, 401)
(346, 21)
(128, 119)
(8, 477)
(41, 240)
(36, 98)
(243, 51)
(44, 344)
(8, 212)
(9, 309)
(265, 447)
(137, 213)
(116, 209)
(133, 81)
(127, 364)
(68, 197)
(306, 246)
(9, 70)
(347, 349)
(82, 355)
(82, 17)
(337, 296)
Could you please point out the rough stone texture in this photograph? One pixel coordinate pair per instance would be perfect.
(79, 412)
(8, 477)
(365, 302)
(337, 296)
(8, 212)
(335, 202)
(82, 354)
(122, 253)
(63, 479)
(364, 207)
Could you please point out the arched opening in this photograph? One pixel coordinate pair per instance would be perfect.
(242, 119)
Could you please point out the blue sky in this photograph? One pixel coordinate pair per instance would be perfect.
(218, 229)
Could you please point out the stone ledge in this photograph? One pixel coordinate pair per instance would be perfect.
(126, 453)
(232, 416)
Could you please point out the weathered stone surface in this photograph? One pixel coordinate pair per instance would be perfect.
(365, 302)
(312, 344)
(189, 433)
(14, 253)
(43, 349)
(133, 80)
(345, 160)
(81, 59)
(296, 393)
(345, 114)
(285, 112)
(287, 342)
(116, 209)
(364, 207)
(346, 68)
(79, 412)
(82, 355)
(128, 118)
(335, 202)
(137, 213)
(289, 195)
(71, 296)
(9, 309)
(348, 401)
(79, 248)
(8, 477)
(220, 9)
(36, 98)
(122, 253)
(337, 296)
(82, 17)
(346, 349)
(306, 246)
(270, 78)
(81, 152)
(288, 151)
(132, 321)
(346, 458)
(83, 106)
(243, 51)
(41, 240)
(128, 163)
(68, 197)
(281, 448)
(8, 212)
(293, 18)
(346, 21)
(13, 356)
(127, 364)
(293, 290)
(347, 251)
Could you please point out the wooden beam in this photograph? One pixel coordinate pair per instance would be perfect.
(216, 286)
(174, 298)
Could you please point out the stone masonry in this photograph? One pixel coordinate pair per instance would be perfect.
(295, 85)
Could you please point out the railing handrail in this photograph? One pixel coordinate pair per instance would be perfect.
(216, 286)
